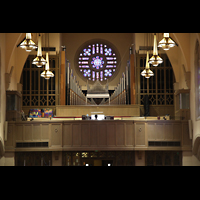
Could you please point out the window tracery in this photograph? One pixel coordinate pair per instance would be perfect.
(37, 91)
(97, 61)
(159, 88)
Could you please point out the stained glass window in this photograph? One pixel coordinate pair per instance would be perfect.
(97, 61)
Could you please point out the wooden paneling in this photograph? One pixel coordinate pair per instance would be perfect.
(67, 135)
(28, 133)
(132, 80)
(85, 135)
(62, 80)
(99, 135)
(45, 132)
(111, 135)
(19, 132)
(151, 132)
(129, 135)
(112, 110)
(56, 135)
(120, 135)
(102, 139)
(177, 132)
(164, 131)
(36, 129)
(168, 135)
(94, 134)
(159, 132)
(76, 135)
(140, 134)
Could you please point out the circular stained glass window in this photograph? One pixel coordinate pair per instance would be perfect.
(97, 61)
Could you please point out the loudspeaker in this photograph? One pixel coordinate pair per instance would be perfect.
(146, 105)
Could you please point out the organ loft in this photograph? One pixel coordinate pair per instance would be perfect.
(99, 99)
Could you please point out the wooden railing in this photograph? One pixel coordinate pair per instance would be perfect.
(98, 135)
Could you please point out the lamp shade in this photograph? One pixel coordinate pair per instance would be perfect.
(47, 74)
(166, 43)
(28, 43)
(155, 60)
(39, 60)
(147, 73)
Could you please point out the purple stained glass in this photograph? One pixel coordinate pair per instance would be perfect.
(101, 48)
(97, 75)
(108, 52)
(87, 73)
(109, 58)
(93, 49)
(85, 58)
(85, 66)
(97, 48)
(101, 74)
(100, 58)
(97, 62)
(87, 52)
(93, 74)
(107, 72)
(109, 66)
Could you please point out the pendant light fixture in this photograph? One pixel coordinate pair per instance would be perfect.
(166, 43)
(28, 43)
(47, 74)
(147, 73)
(155, 60)
(39, 60)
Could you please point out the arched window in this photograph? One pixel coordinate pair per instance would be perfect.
(37, 91)
(197, 78)
(97, 61)
(159, 87)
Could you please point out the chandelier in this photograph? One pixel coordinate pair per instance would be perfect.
(39, 60)
(155, 60)
(166, 43)
(47, 74)
(28, 43)
(147, 73)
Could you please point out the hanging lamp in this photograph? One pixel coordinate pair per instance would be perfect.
(155, 60)
(39, 60)
(147, 73)
(166, 43)
(28, 43)
(47, 74)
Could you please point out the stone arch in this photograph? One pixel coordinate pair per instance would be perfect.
(16, 56)
(183, 40)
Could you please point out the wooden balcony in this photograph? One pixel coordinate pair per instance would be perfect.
(63, 135)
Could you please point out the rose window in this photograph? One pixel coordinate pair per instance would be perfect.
(97, 61)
